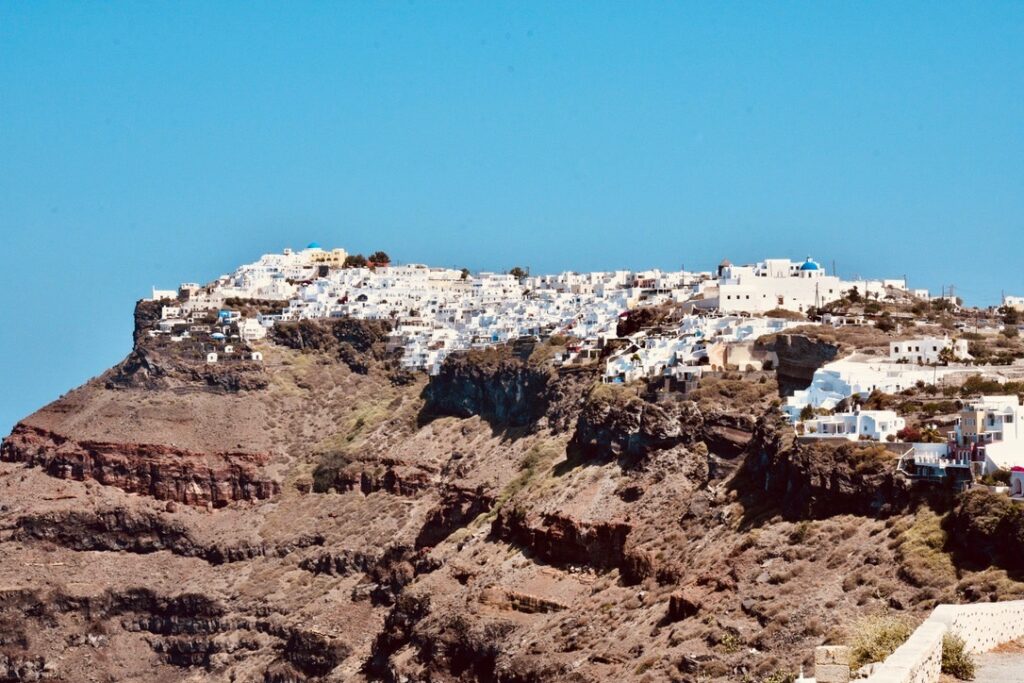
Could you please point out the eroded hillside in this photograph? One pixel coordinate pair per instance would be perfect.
(322, 515)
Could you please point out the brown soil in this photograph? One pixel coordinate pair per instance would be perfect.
(607, 540)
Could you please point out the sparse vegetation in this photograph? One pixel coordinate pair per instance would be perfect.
(921, 552)
(785, 314)
(956, 661)
(355, 261)
(875, 638)
(733, 389)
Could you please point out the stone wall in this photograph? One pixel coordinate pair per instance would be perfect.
(985, 625)
(916, 661)
(982, 626)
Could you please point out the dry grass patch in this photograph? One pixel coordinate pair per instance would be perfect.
(875, 638)
(920, 550)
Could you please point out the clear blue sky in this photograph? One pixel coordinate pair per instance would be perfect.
(148, 143)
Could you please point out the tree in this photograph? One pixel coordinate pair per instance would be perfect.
(380, 258)
(853, 295)
(931, 434)
(517, 273)
(885, 323)
(1011, 316)
(465, 273)
(807, 412)
(355, 261)
(911, 434)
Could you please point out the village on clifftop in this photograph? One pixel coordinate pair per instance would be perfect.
(668, 328)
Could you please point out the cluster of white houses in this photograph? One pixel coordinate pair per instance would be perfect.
(987, 436)
(784, 284)
(437, 311)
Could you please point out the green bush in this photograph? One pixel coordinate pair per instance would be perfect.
(956, 661)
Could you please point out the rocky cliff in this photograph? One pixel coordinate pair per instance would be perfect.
(613, 422)
(506, 389)
(823, 478)
(158, 470)
(799, 356)
(501, 521)
(156, 362)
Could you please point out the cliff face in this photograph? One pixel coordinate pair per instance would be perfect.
(826, 478)
(505, 389)
(535, 528)
(630, 426)
(357, 343)
(161, 471)
(987, 528)
(799, 356)
(155, 362)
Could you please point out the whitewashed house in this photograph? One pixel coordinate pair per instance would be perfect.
(927, 349)
(848, 377)
(250, 329)
(874, 425)
(1014, 302)
(990, 431)
(785, 284)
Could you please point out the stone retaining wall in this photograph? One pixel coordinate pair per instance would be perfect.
(982, 626)
(918, 660)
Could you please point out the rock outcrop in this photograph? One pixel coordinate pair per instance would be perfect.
(493, 384)
(156, 362)
(799, 357)
(506, 389)
(161, 471)
(357, 343)
(564, 541)
(987, 528)
(136, 531)
(643, 318)
(823, 478)
(618, 425)
(158, 365)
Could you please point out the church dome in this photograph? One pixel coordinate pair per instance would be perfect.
(810, 265)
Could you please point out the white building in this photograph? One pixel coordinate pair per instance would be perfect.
(785, 284)
(926, 349)
(437, 311)
(876, 425)
(1014, 302)
(990, 431)
(850, 377)
(160, 294)
(250, 329)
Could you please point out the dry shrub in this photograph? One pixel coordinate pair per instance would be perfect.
(956, 661)
(920, 552)
(877, 637)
